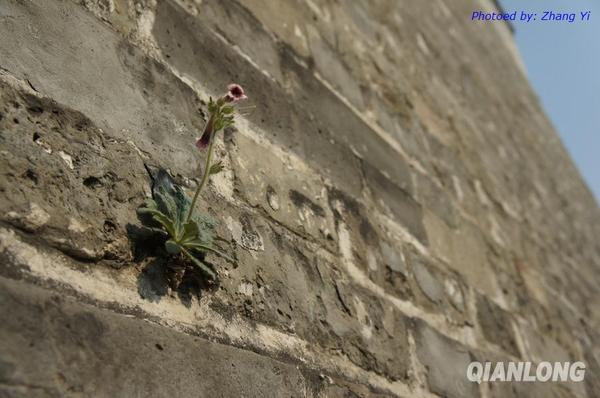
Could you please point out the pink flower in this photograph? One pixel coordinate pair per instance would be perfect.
(202, 142)
(235, 92)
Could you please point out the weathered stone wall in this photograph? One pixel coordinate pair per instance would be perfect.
(401, 204)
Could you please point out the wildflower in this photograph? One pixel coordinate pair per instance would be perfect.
(220, 114)
(202, 142)
(221, 117)
(235, 92)
(190, 235)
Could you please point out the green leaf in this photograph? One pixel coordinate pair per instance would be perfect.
(221, 239)
(178, 228)
(183, 204)
(172, 247)
(190, 232)
(199, 246)
(227, 110)
(216, 168)
(174, 204)
(197, 262)
(158, 217)
(151, 204)
(166, 203)
(166, 222)
(212, 106)
(206, 227)
(218, 124)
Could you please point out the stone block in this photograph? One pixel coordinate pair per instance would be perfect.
(394, 200)
(497, 325)
(286, 189)
(61, 178)
(446, 362)
(464, 250)
(113, 83)
(54, 346)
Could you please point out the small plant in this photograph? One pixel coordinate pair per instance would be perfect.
(190, 234)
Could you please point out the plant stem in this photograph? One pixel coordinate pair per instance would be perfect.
(205, 176)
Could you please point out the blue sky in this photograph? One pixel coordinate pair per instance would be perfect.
(563, 64)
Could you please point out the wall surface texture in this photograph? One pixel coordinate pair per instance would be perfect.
(399, 203)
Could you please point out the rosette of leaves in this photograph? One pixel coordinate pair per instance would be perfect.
(190, 236)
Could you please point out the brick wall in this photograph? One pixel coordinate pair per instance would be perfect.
(399, 201)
